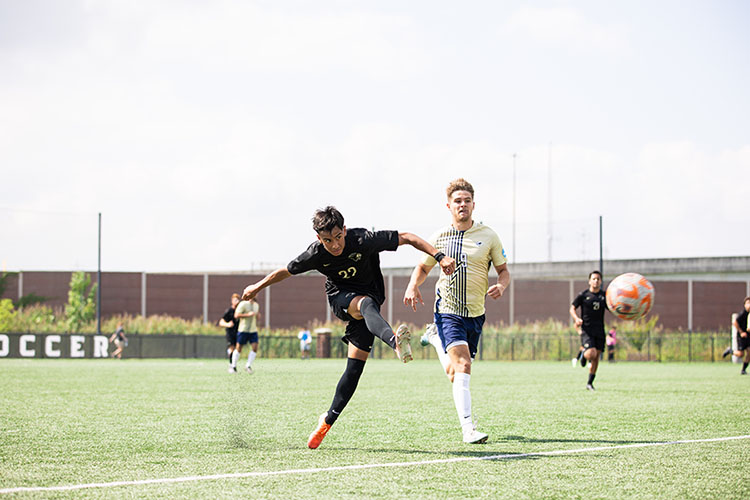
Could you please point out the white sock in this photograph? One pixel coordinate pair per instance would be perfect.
(445, 360)
(462, 398)
(235, 357)
(251, 357)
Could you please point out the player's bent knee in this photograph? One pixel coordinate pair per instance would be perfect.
(462, 366)
(355, 306)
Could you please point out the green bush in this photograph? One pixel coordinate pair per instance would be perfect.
(7, 315)
(81, 307)
(37, 319)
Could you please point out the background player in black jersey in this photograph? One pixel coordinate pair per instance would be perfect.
(349, 259)
(743, 337)
(592, 303)
(230, 328)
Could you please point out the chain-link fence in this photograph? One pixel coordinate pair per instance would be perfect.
(631, 346)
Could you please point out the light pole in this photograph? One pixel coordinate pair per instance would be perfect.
(549, 203)
(514, 208)
(99, 281)
(601, 248)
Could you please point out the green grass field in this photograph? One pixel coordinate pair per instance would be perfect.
(76, 422)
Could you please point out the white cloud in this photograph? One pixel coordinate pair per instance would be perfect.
(208, 133)
(564, 26)
(230, 37)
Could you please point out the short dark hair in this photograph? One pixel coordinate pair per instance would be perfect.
(325, 219)
(595, 271)
(746, 299)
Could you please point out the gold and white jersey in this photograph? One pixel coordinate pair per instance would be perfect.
(248, 325)
(474, 251)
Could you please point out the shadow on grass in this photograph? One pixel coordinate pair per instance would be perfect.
(523, 439)
(442, 454)
(480, 451)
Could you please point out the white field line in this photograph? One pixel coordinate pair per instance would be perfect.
(234, 475)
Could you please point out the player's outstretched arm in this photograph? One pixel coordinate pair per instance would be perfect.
(503, 280)
(447, 264)
(278, 275)
(412, 296)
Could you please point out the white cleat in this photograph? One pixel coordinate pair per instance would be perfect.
(429, 332)
(475, 437)
(574, 362)
(232, 369)
(249, 369)
(403, 344)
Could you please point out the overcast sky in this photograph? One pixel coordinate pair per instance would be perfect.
(207, 133)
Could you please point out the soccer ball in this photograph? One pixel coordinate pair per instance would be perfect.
(630, 296)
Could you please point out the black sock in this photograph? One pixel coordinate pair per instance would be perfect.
(591, 377)
(375, 322)
(345, 388)
(580, 355)
(744, 367)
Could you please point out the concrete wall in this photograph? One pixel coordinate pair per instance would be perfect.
(703, 300)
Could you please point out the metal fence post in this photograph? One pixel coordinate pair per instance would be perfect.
(660, 349)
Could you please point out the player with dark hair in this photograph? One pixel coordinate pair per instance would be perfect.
(350, 261)
(590, 323)
(459, 299)
(230, 325)
(743, 337)
(120, 341)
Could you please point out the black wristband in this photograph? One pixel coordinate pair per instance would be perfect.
(438, 256)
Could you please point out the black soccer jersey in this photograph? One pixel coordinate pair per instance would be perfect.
(742, 320)
(229, 316)
(357, 269)
(592, 307)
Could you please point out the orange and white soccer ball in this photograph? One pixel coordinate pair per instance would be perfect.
(630, 296)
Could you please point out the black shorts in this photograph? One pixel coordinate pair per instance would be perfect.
(231, 337)
(595, 341)
(358, 335)
(340, 303)
(356, 332)
(743, 342)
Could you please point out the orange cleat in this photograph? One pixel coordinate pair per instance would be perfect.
(319, 433)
